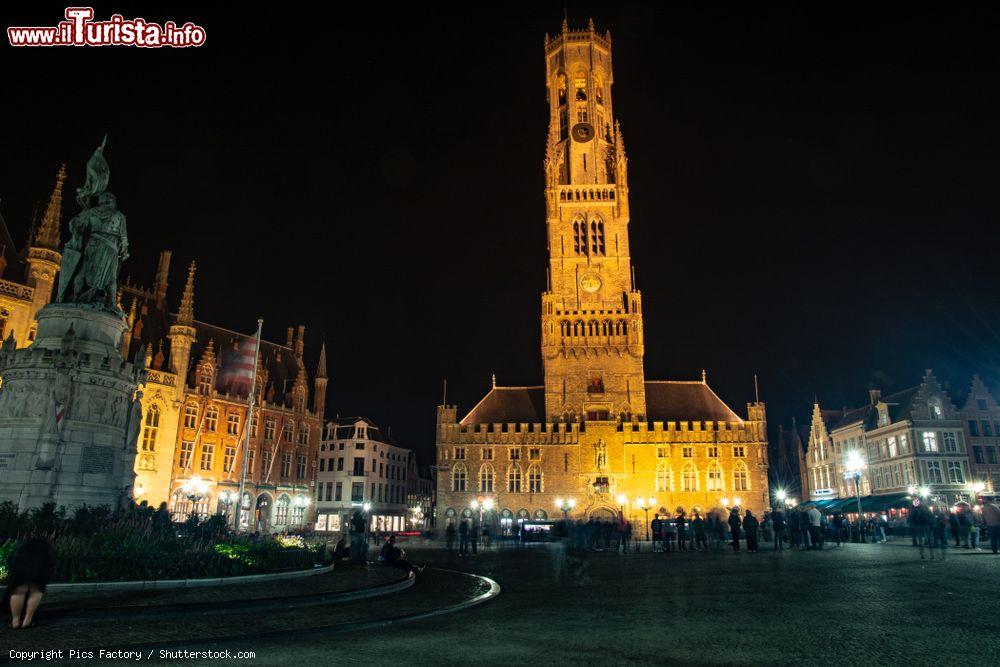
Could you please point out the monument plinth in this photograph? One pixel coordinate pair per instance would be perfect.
(70, 412)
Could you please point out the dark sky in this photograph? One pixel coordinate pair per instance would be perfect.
(813, 190)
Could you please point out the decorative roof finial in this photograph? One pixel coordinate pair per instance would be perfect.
(47, 235)
(704, 376)
(494, 380)
(185, 315)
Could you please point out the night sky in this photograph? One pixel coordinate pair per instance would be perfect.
(813, 190)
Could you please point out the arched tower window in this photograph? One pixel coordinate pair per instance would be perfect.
(487, 476)
(598, 88)
(459, 476)
(561, 88)
(597, 237)
(580, 236)
(664, 477)
(151, 427)
(580, 86)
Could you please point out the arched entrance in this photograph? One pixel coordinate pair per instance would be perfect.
(262, 514)
(604, 514)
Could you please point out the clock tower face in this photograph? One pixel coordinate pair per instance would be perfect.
(583, 132)
(590, 283)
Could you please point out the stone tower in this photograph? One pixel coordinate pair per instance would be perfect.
(592, 334)
(319, 383)
(182, 334)
(43, 253)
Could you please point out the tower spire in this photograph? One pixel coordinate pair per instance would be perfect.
(321, 367)
(47, 235)
(185, 315)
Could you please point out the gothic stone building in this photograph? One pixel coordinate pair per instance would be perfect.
(596, 429)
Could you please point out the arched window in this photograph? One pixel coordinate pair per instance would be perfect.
(514, 478)
(190, 416)
(714, 477)
(689, 477)
(561, 89)
(741, 477)
(459, 476)
(281, 510)
(936, 408)
(580, 236)
(212, 419)
(664, 477)
(205, 379)
(487, 476)
(580, 85)
(541, 515)
(180, 506)
(150, 429)
(596, 237)
(534, 478)
(598, 88)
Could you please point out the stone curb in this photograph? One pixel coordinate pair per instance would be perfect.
(94, 586)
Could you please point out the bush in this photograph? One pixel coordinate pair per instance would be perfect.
(96, 544)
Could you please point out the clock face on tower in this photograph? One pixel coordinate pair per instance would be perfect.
(583, 132)
(590, 282)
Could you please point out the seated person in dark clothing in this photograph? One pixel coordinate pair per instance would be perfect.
(393, 556)
(341, 550)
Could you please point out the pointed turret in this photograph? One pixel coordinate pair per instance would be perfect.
(319, 383)
(182, 334)
(185, 314)
(162, 275)
(47, 235)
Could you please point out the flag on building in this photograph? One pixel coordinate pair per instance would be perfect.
(236, 371)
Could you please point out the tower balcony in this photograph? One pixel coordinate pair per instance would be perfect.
(595, 192)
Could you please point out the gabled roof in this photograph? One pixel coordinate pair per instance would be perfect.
(671, 400)
(509, 405)
(900, 404)
(842, 418)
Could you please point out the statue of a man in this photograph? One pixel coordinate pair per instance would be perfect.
(99, 243)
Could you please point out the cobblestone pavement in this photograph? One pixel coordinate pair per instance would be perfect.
(871, 604)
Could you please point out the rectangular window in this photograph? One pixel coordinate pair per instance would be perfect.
(893, 447)
(739, 451)
(955, 475)
(977, 453)
(265, 470)
(269, 429)
(359, 445)
(300, 468)
(991, 454)
(688, 453)
(662, 453)
(211, 419)
(515, 454)
(303, 434)
(340, 464)
(187, 448)
(357, 492)
(950, 443)
(488, 454)
(229, 456)
(534, 454)
(329, 490)
(930, 441)
(253, 425)
(713, 451)
(359, 466)
(322, 465)
(233, 424)
(566, 462)
(934, 472)
(973, 428)
(987, 429)
(903, 444)
(339, 490)
(460, 453)
(206, 456)
(250, 458)
(981, 404)
(286, 465)
(191, 416)
(286, 431)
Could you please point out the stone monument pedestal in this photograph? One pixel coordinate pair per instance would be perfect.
(69, 414)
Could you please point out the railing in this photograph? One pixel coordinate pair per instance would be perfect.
(575, 193)
(161, 377)
(17, 291)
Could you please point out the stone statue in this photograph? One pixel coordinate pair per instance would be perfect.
(98, 245)
(134, 423)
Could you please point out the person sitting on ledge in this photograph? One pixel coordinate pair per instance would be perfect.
(393, 556)
(341, 551)
(31, 567)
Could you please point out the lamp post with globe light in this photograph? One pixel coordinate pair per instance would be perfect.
(781, 496)
(853, 466)
(195, 489)
(622, 499)
(565, 504)
(646, 504)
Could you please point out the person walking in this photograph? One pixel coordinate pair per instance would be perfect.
(699, 528)
(814, 519)
(681, 531)
(474, 535)
(767, 530)
(838, 528)
(29, 570)
(734, 528)
(964, 525)
(463, 537)
(778, 524)
(449, 536)
(655, 527)
(991, 517)
(359, 541)
(750, 526)
(668, 531)
(923, 528)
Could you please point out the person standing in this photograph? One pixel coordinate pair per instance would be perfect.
(449, 536)
(474, 535)
(29, 570)
(667, 529)
(698, 526)
(991, 517)
(655, 527)
(681, 531)
(814, 518)
(778, 524)
(838, 528)
(463, 537)
(359, 541)
(750, 526)
(734, 528)
(964, 525)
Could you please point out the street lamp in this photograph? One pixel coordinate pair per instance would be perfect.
(622, 499)
(852, 470)
(195, 489)
(646, 504)
(565, 504)
(781, 497)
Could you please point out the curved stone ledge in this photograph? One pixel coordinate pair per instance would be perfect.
(185, 583)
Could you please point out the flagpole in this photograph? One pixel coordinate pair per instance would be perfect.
(251, 399)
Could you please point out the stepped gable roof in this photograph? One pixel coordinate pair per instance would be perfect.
(692, 401)
(503, 405)
(279, 360)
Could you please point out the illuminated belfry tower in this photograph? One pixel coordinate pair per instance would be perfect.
(592, 333)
